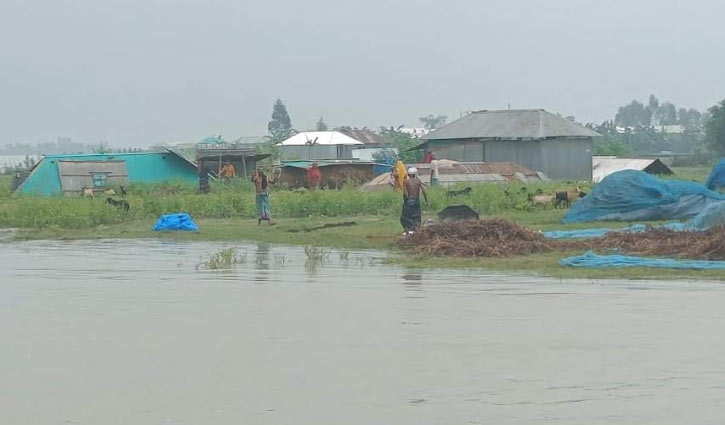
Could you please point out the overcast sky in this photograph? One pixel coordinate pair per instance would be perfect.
(138, 72)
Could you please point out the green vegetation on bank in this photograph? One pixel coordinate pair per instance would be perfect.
(228, 214)
(5, 186)
(370, 233)
(236, 200)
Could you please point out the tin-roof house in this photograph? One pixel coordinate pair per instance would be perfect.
(69, 174)
(534, 138)
(311, 145)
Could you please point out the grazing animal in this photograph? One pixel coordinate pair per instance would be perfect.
(582, 194)
(452, 193)
(542, 200)
(123, 191)
(565, 198)
(87, 192)
(123, 204)
(110, 192)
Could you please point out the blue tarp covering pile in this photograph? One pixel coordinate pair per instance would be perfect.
(631, 195)
(713, 215)
(176, 221)
(592, 260)
(717, 176)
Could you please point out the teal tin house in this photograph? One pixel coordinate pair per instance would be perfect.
(68, 175)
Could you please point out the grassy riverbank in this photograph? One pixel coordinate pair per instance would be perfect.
(227, 215)
(369, 233)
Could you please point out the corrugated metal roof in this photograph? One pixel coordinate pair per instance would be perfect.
(324, 163)
(320, 138)
(602, 166)
(500, 168)
(510, 124)
(363, 135)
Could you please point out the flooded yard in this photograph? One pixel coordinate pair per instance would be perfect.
(142, 332)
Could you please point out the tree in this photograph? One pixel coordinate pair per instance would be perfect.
(431, 122)
(403, 143)
(653, 103)
(280, 127)
(667, 114)
(321, 125)
(715, 128)
(633, 115)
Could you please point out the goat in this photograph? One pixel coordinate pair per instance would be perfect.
(452, 193)
(123, 204)
(541, 200)
(123, 191)
(565, 198)
(110, 192)
(87, 192)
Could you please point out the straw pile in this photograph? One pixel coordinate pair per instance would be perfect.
(502, 238)
(708, 245)
(477, 238)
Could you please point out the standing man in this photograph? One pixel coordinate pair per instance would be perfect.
(314, 176)
(262, 200)
(411, 216)
(434, 176)
(203, 179)
(228, 171)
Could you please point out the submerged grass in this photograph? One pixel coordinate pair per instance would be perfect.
(225, 259)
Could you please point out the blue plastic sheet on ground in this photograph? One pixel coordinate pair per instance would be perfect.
(631, 195)
(176, 221)
(717, 176)
(592, 260)
(713, 215)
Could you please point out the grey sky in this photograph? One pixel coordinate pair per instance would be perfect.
(137, 72)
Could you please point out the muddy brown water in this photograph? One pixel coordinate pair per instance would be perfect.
(132, 332)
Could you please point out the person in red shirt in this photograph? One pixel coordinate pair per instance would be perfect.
(314, 176)
(428, 157)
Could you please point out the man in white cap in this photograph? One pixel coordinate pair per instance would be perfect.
(411, 215)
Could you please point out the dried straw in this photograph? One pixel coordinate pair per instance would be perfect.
(477, 238)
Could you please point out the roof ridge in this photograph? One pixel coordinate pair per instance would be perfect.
(481, 111)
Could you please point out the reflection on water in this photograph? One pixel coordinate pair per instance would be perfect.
(130, 332)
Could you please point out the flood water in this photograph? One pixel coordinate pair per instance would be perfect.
(135, 332)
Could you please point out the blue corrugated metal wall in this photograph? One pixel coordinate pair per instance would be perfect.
(142, 167)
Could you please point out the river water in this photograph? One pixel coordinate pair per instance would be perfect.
(138, 332)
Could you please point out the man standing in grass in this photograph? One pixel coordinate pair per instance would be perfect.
(411, 216)
(262, 200)
(228, 171)
(434, 175)
(203, 179)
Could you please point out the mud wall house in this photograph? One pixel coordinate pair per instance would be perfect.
(314, 145)
(69, 174)
(533, 138)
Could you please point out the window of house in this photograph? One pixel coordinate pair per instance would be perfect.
(99, 179)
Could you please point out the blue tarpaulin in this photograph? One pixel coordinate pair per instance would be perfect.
(592, 260)
(717, 176)
(631, 195)
(176, 221)
(713, 215)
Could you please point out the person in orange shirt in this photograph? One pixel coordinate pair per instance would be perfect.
(227, 171)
